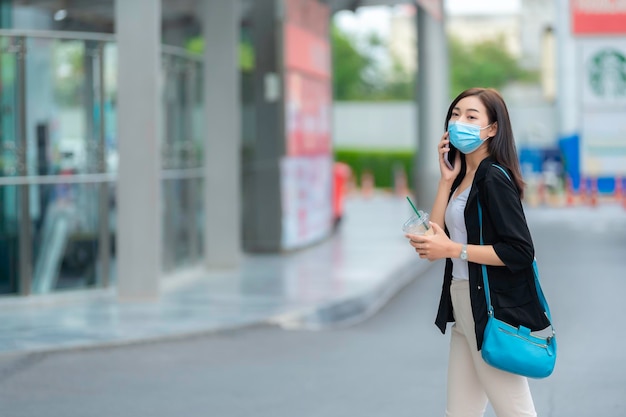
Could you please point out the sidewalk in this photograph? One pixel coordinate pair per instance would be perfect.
(340, 281)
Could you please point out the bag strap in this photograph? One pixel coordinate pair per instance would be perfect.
(542, 298)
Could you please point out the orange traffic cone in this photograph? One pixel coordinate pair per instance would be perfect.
(541, 191)
(594, 192)
(569, 192)
(399, 182)
(583, 190)
(619, 192)
(620, 195)
(367, 184)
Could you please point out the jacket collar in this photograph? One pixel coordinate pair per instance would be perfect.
(479, 177)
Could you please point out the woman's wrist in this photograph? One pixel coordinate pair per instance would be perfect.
(454, 251)
(445, 184)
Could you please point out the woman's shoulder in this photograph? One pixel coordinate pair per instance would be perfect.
(494, 178)
(491, 169)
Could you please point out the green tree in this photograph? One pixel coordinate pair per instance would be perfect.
(484, 64)
(359, 73)
(350, 67)
(400, 83)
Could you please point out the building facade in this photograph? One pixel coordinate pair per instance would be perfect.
(125, 158)
(104, 143)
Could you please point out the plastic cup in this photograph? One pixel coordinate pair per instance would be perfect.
(417, 225)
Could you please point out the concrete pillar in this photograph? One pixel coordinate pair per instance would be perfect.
(139, 135)
(262, 210)
(567, 89)
(433, 99)
(222, 233)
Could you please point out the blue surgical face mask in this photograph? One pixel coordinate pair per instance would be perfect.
(464, 136)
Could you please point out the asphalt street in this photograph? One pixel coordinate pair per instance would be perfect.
(394, 364)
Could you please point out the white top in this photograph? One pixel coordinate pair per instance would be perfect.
(455, 221)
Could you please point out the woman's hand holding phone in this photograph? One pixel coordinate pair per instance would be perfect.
(449, 162)
(446, 159)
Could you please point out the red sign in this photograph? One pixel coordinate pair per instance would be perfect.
(308, 108)
(598, 17)
(308, 78)
(310, 15)
(305, 52)
(306, 169)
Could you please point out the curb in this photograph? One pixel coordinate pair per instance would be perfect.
(352, 310)
(340, 313)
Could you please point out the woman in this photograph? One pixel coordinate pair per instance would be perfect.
(479, 134)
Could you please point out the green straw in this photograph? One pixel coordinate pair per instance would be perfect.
(416, 212)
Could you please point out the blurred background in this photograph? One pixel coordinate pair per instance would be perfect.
(205, 174)
(268, 115)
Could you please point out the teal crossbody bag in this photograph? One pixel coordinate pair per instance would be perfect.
(516, 349)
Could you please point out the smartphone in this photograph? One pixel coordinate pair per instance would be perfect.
(448, 157)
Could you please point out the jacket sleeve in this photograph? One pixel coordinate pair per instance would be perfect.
(512, 241)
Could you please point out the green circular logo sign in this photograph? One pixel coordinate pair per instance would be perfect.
(607, 74)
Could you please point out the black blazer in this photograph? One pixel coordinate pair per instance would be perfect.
(513, 293)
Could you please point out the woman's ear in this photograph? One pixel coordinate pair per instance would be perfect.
(493, 129)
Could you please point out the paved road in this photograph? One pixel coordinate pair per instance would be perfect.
(392, 365)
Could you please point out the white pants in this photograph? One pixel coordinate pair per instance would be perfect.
(471, 381)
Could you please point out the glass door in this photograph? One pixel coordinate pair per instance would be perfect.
(182, 162)
(64, 126)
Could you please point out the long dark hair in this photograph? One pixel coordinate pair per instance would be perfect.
(501, 147)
